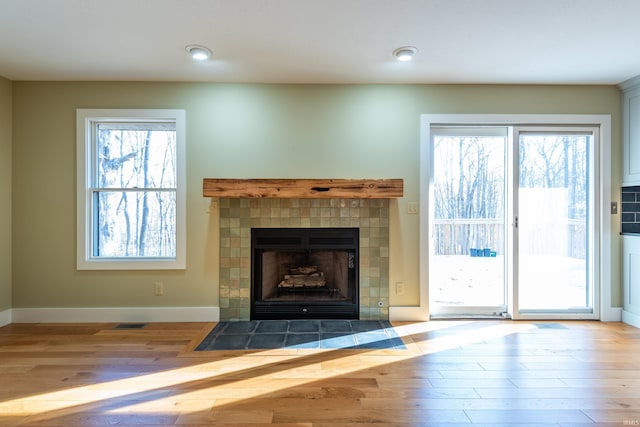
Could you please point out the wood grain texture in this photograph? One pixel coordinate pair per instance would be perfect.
(303, 188)
(453, 373)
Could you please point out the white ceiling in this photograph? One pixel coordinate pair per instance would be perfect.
(322, 41)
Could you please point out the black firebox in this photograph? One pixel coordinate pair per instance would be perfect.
(304, 273)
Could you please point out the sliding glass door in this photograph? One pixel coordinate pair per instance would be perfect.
(554, 228)
(467, 262)
(511, 221)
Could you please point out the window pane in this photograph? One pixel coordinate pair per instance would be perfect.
(553, 206)
(135, 224)
(467, 263)
(136, 157)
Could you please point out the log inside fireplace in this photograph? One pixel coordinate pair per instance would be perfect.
(307, 273)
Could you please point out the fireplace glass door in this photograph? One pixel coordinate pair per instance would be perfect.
(304, 273)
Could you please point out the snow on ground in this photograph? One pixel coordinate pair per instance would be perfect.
(546, 282)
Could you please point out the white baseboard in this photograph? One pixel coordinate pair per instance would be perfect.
(204, 314)
(115, 314)
(408, 314)
(5, 317)
(631, 318)
(611, 314)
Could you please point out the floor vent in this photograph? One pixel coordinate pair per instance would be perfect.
(550, 326)
(130, 326)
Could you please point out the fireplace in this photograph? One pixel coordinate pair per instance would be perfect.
(304, 273)
(238, 216)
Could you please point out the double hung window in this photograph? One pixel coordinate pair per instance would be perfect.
(131, 189)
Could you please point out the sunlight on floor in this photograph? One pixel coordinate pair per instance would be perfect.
(234, 378)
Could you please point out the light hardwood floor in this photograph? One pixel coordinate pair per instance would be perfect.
(486, 373)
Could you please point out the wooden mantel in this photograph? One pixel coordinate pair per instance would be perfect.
(303, 188)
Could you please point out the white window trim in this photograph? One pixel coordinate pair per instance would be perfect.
(84, 123)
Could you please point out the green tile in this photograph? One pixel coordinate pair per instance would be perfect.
(238, 216)
(244, 313)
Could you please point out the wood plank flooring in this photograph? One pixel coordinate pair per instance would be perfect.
(453, 373)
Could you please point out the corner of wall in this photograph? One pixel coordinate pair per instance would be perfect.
(6, 141)
(5, 318)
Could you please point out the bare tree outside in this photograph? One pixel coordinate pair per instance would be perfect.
(135, 195)
(469, 194)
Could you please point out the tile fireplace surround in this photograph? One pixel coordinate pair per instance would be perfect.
(239, 215)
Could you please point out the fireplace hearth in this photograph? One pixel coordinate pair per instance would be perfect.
(304, 273)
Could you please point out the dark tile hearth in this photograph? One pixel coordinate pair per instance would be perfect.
(302, 334)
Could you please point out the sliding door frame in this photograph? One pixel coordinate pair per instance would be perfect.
(593, 226)
(603, 310)
(494, 310)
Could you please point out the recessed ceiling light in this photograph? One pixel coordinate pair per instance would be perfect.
(199, 53)
(405, 53)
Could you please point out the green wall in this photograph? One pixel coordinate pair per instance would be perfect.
(5, 194)
(242, 131)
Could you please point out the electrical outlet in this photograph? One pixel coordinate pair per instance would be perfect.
(399, 288)
(614, 208)
(412, 208)
(159, 289)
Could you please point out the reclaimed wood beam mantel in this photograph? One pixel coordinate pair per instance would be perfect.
(303, 188)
